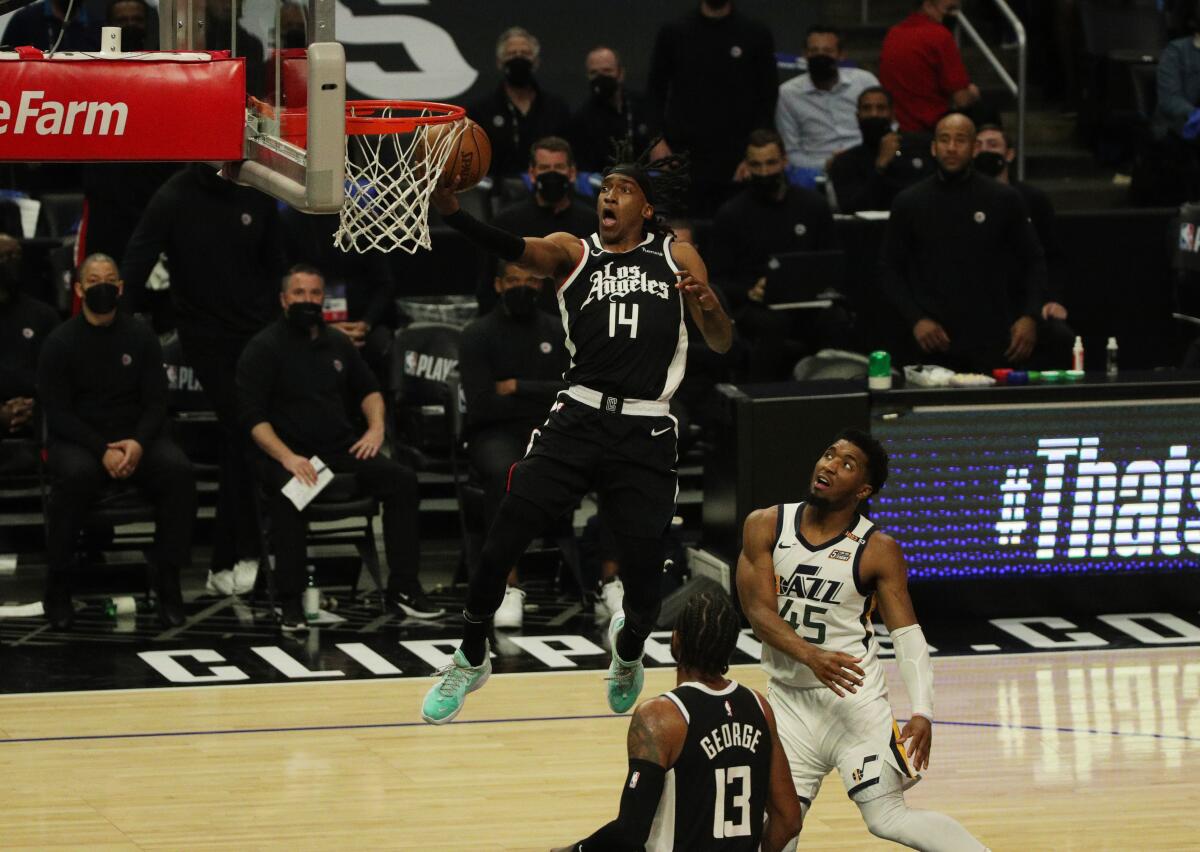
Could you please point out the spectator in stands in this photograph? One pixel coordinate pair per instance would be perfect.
(103, 389)
(512, 363)
(360, 289)
(922, 68)
(713, 80)
(132, 16)
(297, 382)
(611, 112)
(767, 217)
(218, 36)
(519, 111)
(816, 114)
(24, 325)
(40, 25)
(225, 252)
(961, 263)
(994, 155)
(550, 207)
(868, 176)
(1178, 109)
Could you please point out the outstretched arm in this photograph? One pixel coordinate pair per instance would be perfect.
(656, 735)
(756, 589)
(702, 302)
(784, 819)
(553, 256)
(883, 564)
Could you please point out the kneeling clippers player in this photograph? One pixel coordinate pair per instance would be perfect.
(809, 577)
(622, 293)
(705, 763)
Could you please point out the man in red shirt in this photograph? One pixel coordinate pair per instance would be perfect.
(922, 68)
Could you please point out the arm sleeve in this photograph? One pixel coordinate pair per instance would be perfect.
(154, 389)
(916, 669)
(1171, 100)
(255, 374)
(952, 74)
(639, 801)
(360, 379)
(1033, 278)
(54, 394)
(894, 267)
(148, 241)
(484, 405)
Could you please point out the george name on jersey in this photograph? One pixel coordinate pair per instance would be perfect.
(610, 283)
(729, 735)
(811, 588)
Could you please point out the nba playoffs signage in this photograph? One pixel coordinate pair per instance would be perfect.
(1044, 490)
(105, 109)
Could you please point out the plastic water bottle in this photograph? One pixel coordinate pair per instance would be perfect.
(879, 371)
(121, 606)
(1077, 354)
(312, 596)
(1110, 357)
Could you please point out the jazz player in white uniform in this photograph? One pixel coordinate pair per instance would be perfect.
(809, 577)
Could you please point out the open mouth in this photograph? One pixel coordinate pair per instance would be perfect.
(608, 217)
(821, 483)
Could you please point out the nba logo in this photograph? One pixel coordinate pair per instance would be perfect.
(1187, 237)
(410, 363)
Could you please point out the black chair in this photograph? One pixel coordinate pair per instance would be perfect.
(338, 502)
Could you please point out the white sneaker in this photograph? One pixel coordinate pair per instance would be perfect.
(511, 614)
(221, 583)
(613, 595)
(245, 573)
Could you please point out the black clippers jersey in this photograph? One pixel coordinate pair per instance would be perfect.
(624, 320)
(715, 795)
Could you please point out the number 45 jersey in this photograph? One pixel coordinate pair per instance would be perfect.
(820, 594)
(624, 320)
(715, 795)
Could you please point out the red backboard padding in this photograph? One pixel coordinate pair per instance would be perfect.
(121, 109)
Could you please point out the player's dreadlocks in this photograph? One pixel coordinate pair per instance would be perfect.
(708, 632)
(664, 181)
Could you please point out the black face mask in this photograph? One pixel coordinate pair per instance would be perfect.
(552, 186)
(518, 71)
(822, 68)
(990, 163)
(765, 188)
(101, 298)
(604, 87)
(873, 130)
(133, 39)
(305, 316)
(520, 302)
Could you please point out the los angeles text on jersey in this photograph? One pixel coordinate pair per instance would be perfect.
(609, 283)
(729, 735)
(54, 118)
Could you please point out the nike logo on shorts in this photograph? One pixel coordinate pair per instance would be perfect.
(654, 433)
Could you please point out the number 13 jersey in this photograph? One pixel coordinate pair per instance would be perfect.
(623, 318)
(820, 594)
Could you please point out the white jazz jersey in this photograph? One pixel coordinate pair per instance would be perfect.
(820, 594)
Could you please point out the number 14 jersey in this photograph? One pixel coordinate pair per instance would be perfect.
(623, 319)
(820, 594)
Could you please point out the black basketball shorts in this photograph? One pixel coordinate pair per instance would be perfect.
(628, 460)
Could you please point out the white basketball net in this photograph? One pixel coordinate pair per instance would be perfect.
(389, 178)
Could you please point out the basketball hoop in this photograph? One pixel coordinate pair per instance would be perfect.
(395, 153)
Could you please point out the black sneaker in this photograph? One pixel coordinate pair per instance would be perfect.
(170, 600)
(413, 603)
(293, 618)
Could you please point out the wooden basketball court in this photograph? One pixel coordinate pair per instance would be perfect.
(1084, 750)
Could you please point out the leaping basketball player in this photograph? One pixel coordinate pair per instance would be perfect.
(622, 293)
(705, 763)
(809, 576)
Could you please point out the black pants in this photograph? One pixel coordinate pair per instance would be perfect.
(235, 530)
(164, 475)
(394, 484)
(493, 451)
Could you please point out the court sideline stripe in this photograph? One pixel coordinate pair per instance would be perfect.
(525, 719)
